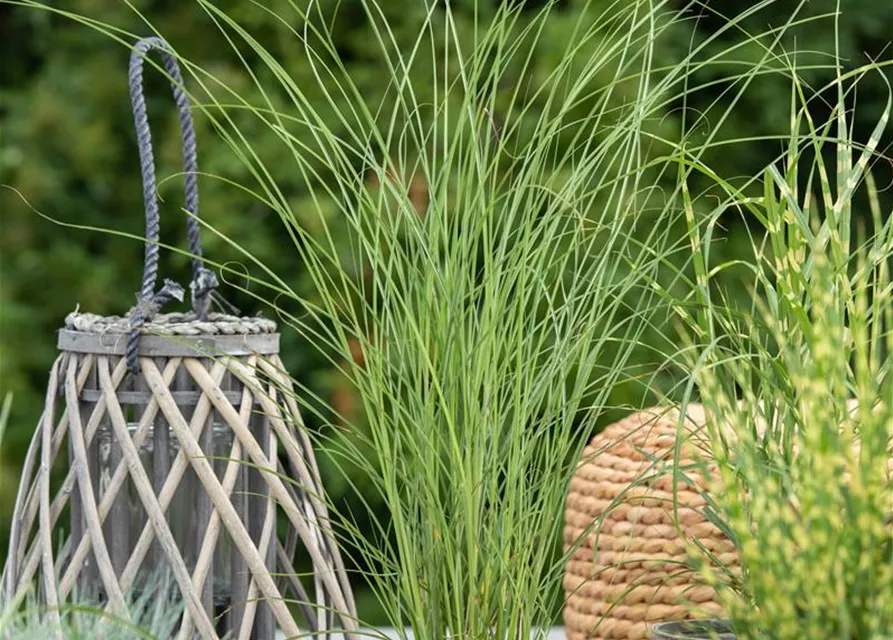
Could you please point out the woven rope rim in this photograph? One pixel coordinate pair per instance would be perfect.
(179, 324)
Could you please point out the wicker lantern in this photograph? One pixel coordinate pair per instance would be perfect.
(172, 424)
(628, 544)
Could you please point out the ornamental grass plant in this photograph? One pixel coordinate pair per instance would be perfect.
(152, 615)
(798, 387)
(485, 323)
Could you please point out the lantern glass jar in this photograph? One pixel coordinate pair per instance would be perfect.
(128, 517)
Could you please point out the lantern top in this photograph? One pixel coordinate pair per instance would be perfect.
(171, 334)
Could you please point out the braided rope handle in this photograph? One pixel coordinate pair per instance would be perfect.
(149, 302)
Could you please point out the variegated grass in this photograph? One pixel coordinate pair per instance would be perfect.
(799, 387)
(152, 615)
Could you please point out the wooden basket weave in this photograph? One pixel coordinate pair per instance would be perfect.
(193, 375)
(629, 545)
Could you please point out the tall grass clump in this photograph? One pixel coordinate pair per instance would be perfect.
(490, 319)
(486, 316)
(799, 388)
(152, 617)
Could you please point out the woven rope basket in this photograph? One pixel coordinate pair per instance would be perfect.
(626, 570)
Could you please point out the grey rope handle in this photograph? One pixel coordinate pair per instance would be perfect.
(203, 279)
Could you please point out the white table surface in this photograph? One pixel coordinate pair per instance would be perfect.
(555, 633)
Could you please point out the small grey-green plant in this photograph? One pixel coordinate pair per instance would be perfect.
(495, 315)
(799, 390)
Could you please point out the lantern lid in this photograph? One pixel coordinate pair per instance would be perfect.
(171, 334)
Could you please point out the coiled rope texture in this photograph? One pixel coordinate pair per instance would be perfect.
(149, 302)
(631, 529)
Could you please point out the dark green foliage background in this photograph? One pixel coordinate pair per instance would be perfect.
(67, 146)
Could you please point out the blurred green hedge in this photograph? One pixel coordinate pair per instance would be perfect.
(67, 146)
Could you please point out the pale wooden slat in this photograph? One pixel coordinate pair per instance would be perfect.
(46, 532)
(206, 556)
(18, 536)
(230, 477)
(203, 508)
(24, 521)
(302, 458)
(274, 368)
(323, 611)
(256, 621)
(171, 483)
(206, 474)
(290, 576)
(86, 365)
(161, 459)
(240, 573)
(153, 510)
(33, 557)
(18, 532)
(87, 561)
(268, 536)
(63, 555)
(258, 614)
(117, 526)
(280, 493)
(85, 486)
(294, 514)
(305, 466)
(61, 497)
(185, 487)
(89, 577)
(118, 478)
